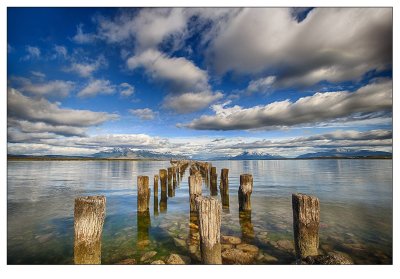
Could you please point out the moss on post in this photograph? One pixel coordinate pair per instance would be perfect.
(89, 214)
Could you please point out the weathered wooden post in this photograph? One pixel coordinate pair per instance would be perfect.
(224, 188)
(174, 178)
(170, 182)
(155, 185)
(209, 209)
(245, 190)
(213, 181)
(305, 225)
(155, 201)
(89, 214)
(143, 193)
(163, 180)
(195, 182)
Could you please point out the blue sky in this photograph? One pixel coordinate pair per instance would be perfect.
(199, 81)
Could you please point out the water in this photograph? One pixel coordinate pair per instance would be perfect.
(355, 198)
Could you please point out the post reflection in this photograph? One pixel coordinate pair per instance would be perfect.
(143, 227)
(246, 226)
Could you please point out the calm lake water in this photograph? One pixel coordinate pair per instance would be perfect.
(355, 199)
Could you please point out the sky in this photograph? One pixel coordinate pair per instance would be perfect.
(204, 82)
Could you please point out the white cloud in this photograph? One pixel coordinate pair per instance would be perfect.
(86, 69)
(320, 107)
(126, 90)
(60, 51)
(53, 88)
(334, 44)
(83, 38)
(191, 102)
(181, 74)
(38, 74)
(40, 110)
(261, 85)
(32, 53)
(144, 114)
(95, 87)
(149, 27)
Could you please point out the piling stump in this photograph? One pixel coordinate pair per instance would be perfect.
(306, 216)
(245, 190)
(89, 214)
(209, 211)
(195, 182)
(155, 185)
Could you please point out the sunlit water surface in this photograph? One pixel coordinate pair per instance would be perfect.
(355, 198)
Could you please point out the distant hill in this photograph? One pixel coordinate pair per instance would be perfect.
(251, 156)
(346, 153)
(127, 153)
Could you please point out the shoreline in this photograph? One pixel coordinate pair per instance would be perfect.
(133, 159)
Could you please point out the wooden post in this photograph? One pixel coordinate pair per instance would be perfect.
(174, 177)
(224, 188)
(143, 193)
(89, 214)
(155, 190)
(224, 184)
(163, 200)
(209, 209)
(305, 225)
(155, 185)
(213, 186)
(245, 190)
(170, 182)
(195, 182)
(163, 180)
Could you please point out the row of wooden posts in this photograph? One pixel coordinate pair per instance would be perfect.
(89, 212)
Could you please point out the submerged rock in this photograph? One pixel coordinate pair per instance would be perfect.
(247, 248)
(285, 244)
(178, 259)
(331, 258)
(179, 242)
(236, 256)
(158, 262)
(127, 261)
(227, 246)
(227, 239)
(148, 255)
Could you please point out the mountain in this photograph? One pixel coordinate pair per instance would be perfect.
(127, 153)
(251, 156)
(346, 153)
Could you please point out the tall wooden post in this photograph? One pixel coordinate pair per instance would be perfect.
(245, 190)
(163, 180)
(170, 187)
(155, 190)
(209, 209)
(155, 185)
(143, 193)
(174, 178)
(305, 225)
(224, 188)
(195, 182)
(213, 181)
(89, 214)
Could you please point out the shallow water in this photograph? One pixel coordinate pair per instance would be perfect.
(355, 198)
